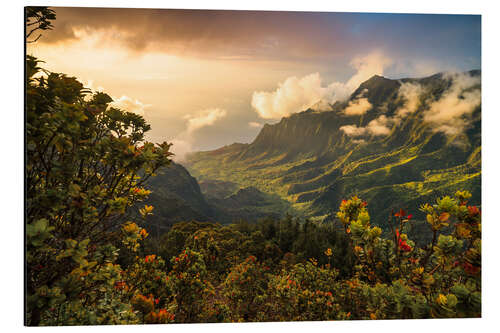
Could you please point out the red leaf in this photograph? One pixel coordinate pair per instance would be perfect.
(401, 213)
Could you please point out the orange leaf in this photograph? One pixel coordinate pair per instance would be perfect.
(401, 213)
(444, 217)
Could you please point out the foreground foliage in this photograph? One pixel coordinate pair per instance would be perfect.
(83, 161)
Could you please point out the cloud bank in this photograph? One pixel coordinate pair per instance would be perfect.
(297, 94)
(224, 34)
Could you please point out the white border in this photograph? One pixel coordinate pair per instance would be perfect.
(12, 159)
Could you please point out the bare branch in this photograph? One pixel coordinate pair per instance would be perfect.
(32, 41)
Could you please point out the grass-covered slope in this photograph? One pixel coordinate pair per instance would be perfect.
(307, 160)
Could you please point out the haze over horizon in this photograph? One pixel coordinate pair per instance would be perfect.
(204, 79)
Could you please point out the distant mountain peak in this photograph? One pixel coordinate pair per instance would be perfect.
(320, 106)
(309, 161)
(377, 88)
(376, 79)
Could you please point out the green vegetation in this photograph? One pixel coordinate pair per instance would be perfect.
(176, 197)
(83, 161)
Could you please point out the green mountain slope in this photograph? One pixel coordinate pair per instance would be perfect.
(308, 161)
(177, 196)
(248, 204)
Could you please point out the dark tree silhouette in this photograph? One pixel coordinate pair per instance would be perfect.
(37, 19)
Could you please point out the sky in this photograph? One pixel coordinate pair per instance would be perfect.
(205, 79)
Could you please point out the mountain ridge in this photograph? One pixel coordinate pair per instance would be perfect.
(308, 160)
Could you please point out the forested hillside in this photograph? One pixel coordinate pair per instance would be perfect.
(385, 144)
(178, 197)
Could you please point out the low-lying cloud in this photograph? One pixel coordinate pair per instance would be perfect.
(357, 107)
(376, 127)
(297, 94)
(180, 148)
(353, 130)
(183, 143)
(379, 126)
(451, 113)
(410, 93)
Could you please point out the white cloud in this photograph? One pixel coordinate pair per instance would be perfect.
(255, 124)
(124, 102)
(367, 66)
(450, 114)
(297, 94)
(379, 126)
(410, 93)
(204, 118)
(357, 106)
(180, 148)
(129, 104)
(353, 130)
(321, 106)
(376, 127)
(183, 143)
